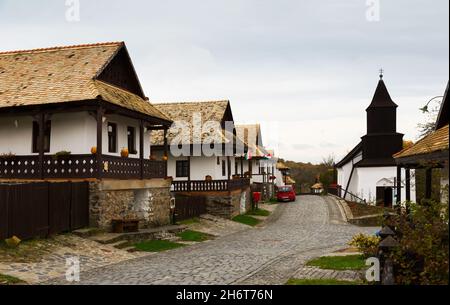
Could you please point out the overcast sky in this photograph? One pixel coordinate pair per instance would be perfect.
(305, 69)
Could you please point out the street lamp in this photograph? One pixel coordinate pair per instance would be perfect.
(425, 108)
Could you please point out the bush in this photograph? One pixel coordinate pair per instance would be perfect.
(423, 236)
(366, 244)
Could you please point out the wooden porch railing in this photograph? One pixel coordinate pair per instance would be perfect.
(78, 166)
(210, 186)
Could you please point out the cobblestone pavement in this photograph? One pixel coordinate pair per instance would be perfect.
(271, 254)
(317, 274)
(46, 259)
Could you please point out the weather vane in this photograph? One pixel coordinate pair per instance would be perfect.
(381, 73)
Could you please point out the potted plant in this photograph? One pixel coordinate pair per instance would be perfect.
(124, 153)
(7, 156)
(62, 155)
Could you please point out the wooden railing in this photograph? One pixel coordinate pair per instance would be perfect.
(340, 192)
(79, 166)
(210, 186)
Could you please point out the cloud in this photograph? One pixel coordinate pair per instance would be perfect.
(311, 66)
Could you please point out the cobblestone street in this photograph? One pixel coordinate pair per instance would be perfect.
(270, 254)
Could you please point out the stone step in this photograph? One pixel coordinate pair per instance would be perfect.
(146, 234)
(120, 244)
(130, 249)
(86, 232)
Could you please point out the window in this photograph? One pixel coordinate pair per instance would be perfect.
(47, 133)
(131, 134)
(224, 168)
(112, 137)
(182, 169)
(235, 167)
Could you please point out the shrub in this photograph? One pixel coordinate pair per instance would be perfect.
(366, 244)
(422, 257)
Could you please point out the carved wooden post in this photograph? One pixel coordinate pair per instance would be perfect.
(428, 181)
(99, 154)
(399, 186)
(166, 150)
(41, 143)
(141, 148)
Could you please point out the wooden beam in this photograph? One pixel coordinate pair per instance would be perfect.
(229, 167)
(41, 123)
(166, 151)
(399, 185)
(100, 113)
(408, 185)
(141, 148)
(428, 183)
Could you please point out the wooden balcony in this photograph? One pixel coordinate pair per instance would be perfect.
(210, 186)
(80, 167)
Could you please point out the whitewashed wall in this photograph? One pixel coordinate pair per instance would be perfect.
(74, 132)
(201, 167)
(16, 140)
(365, 179)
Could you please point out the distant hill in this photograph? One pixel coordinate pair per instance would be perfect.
(305, 174)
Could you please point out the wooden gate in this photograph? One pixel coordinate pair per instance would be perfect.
(187, 207)
(39, 209)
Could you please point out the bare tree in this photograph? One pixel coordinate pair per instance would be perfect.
(329, 161)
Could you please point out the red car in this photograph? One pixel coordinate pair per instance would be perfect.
(286, 193)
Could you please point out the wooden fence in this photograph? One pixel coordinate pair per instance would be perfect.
(187, 207)
(210, 186)
(79, 166)
(41, 209)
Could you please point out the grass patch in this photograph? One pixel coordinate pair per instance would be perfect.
(9, 280)
(246, 220)
(259, 212)
(190, 235)
(349, 262)
(157, 245)
(189, 221)
(320, 282)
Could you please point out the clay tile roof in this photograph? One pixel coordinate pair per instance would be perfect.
(250, 136)
(289, 180)
(282, 166)
(63, 74)
(437, 141)
(317, 186)
(209, 111)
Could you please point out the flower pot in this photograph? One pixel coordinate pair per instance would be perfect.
(124, 153)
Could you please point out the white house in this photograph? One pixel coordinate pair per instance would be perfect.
(368, 172)
(79, 113)
(259, 163)
(201, 160)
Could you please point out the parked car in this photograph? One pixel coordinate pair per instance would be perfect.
(286, 193)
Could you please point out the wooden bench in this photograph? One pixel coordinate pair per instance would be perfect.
(125, 225)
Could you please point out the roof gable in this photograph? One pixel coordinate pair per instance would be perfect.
(120, 72)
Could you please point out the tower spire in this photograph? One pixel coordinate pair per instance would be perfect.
(381, 73)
